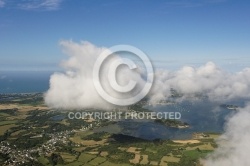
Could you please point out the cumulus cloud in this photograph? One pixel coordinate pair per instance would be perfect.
(234, 143)
(74, 88)
(208, 80)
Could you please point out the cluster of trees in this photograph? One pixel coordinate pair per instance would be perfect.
(3, 157)
(120, 138)
(170, 122)
(56, 159)
(11, 112)
(25, 142)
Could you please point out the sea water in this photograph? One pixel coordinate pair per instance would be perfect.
(24, 81)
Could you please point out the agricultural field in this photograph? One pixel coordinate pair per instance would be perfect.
(46, 137)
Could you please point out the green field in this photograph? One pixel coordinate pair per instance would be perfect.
(43, 160)
(8, 122)
(4, 128)
(85, 158)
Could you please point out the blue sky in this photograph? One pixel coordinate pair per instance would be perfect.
(172, 32)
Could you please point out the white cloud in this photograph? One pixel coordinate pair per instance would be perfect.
(75, 89)
(40, 4)
(234, 144)
(208, 80)
(2, 3)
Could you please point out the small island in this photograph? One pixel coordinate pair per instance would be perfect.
(173, 123)
(230, 106)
